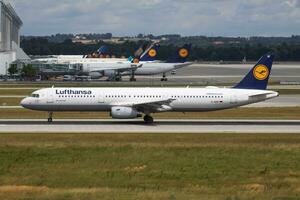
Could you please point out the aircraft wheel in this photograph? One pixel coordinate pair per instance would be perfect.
(148, 119)
(50, 114)
(118, 79)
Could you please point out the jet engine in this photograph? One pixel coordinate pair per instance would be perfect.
(95, 75)
(109, 73)
(124, 113)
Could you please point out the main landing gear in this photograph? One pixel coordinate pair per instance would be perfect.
(132, 76)
(148, 119)
(164, 78)
(114, 77)
(50, 119)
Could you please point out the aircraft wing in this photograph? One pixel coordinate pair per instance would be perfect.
(119, 69)
(150, 106)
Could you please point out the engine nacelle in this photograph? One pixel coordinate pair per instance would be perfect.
(109, 73)
(95, 75)
(124, 113)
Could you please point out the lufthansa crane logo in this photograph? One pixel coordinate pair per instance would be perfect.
(136, 60)
(261, 72)
(152, 53)
(183, 53)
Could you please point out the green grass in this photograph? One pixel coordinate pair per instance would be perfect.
(237, 113)
(19, 91)
(10, 101)
(149, 166)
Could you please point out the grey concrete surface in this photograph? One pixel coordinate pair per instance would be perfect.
(216, 73)
(281, 101)
(160, 126)
(226, 73)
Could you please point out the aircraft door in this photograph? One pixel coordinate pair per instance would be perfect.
(50, 98)
(233, 99)
(101, 99)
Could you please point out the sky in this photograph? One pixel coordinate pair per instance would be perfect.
(186, 17)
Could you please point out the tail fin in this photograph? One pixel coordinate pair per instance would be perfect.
(181, 55)
(151, 53)
(137, 54)
(103, 50)
(258, 76)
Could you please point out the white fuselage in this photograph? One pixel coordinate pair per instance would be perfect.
(147, 68)
(103, 99)
(105, 64)
(66, 59)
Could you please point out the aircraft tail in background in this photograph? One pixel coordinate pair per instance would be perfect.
(151, 53)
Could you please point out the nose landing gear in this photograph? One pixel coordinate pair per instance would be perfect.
(50, 119)
(148, 119)
(164, 78)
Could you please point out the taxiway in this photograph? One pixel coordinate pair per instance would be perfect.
(160, 126)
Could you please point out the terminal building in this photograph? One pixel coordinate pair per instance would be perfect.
(10, 24)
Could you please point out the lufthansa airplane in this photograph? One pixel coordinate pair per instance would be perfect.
(130, 103)
(151, 66)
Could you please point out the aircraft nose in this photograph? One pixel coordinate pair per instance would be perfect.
(25, 103)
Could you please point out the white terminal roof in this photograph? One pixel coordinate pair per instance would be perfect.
(10, 10)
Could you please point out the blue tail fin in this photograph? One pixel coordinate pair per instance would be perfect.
(258, 76)
(103, 50)
(151, 53)
(181, 55)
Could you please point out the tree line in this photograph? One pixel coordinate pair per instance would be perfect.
(228, 52)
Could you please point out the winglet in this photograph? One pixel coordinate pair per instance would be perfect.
(258, 76)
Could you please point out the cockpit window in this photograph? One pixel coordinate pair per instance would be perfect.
(35, 95)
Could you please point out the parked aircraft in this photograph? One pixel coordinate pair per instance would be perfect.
(130, 103)
(177, 61)
(149, 65)
(114, 68)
